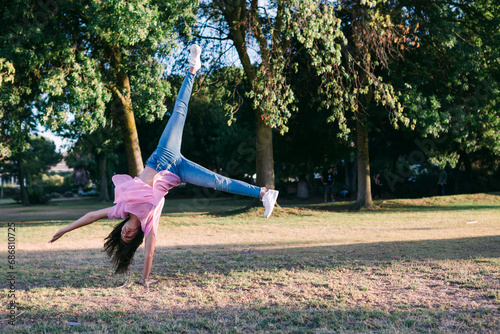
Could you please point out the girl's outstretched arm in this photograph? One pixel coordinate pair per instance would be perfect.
(89, 218)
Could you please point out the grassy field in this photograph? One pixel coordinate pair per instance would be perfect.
(413, 266)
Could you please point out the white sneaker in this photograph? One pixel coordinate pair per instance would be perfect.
(269, 200)
(194, 57)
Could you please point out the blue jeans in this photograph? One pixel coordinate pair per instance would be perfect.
(167, 155)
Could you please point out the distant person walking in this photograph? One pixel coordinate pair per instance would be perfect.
(328, 180)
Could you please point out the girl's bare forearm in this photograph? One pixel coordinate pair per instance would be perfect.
(149, 249)
(87, 219)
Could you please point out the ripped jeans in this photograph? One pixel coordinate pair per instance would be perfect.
(167, 155)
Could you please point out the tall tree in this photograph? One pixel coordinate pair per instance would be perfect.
(17, 120)
(37, 157)
(97, 60)
(247, 25)
(97, 148)
(350, 45)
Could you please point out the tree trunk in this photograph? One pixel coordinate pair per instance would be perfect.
(131, 141)
(364, 198)
(264, 158)
(123, 109)
(103, 171)
(235, 14)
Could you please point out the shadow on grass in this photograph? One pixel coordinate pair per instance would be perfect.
(89, 268)
(224, 207)
(230, 213)
(264, 318)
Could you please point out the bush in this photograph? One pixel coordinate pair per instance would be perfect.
(421, 186)
(54, 180)
(36, 195)
(10, 190)
(411, 190)
(58, 189)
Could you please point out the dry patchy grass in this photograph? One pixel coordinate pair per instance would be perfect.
(425, 265)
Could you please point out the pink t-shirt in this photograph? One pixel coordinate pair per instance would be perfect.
(134, 196)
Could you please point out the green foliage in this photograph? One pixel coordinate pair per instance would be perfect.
(101, 143)
(40, 156)
(6, 71)
(247, 24)
(348, 46)
(36, 156)
(15, 120)
(272, 92)
(452, 78)
(51, 180)
(120, 36)
(311, 143)
(69, 57)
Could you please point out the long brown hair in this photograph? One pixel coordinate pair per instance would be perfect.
(120, 252)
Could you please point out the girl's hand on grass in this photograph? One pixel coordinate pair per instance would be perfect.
(56, 236)
(147, 282)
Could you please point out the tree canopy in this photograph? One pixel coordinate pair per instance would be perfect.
(318, 82)
(87, 63)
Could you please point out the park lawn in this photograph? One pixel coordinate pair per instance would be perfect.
(427, 265)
